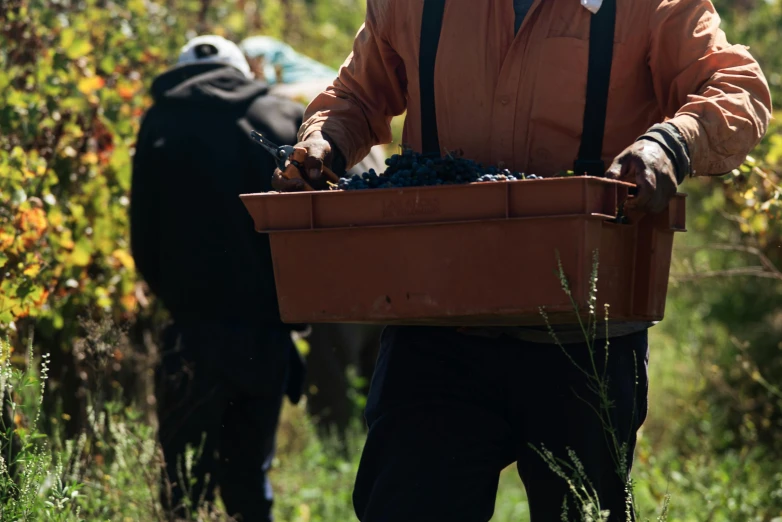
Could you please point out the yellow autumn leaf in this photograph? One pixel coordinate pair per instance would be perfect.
(55, 215)
(304, 513)
(80, 255)
(89, 85)
(32, 270)
(759, 223)
(90, 158)
(124, 258)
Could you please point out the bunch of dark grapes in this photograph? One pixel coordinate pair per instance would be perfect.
(411, 169)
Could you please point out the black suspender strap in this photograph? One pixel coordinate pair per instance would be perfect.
(601, 51)
(431, 23)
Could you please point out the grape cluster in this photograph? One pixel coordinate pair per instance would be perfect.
(411, 169)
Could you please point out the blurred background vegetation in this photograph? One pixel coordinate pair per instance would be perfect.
(74, 78)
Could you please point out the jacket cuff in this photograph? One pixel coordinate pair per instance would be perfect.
(697, 142)
(674, 145)
(338, 161)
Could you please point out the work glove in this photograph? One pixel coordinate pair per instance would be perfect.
(319, 153)
(656, 163)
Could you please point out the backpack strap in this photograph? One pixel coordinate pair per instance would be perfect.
(431, 24)
(601, 51)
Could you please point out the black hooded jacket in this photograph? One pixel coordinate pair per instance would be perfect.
(192, 239)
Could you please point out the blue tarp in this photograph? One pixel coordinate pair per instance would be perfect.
(295, 67)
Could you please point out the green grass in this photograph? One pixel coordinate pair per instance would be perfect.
(111, 471)
(110, 475)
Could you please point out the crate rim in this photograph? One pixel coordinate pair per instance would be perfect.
(457, 186)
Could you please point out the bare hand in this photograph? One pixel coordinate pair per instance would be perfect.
(647, 165)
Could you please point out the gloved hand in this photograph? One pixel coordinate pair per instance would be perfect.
(646, 164)
(319, 153)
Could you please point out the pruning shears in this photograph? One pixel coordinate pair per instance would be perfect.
(290, 160)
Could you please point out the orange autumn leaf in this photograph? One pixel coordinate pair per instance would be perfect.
(126, 92)
(129, 301)
(6, 240)
(29, 239)
(33, 220)
(105, 156)
(41, 300)
(89, 85)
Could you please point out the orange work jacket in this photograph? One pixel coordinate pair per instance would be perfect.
(519, 98)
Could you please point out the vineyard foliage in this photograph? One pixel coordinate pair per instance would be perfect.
(74, 77)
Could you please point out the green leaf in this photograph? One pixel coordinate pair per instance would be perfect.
(120, 162)
(58, 321)
(137, 7)
(25, 289)
(107, 64)
(81, 254)
(5, 80)
(3, 259)
(19, 197)
(67, 36)
(78, 48)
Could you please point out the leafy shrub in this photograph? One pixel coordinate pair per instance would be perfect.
(75, 76)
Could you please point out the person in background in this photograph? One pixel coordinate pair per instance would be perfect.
(227, 359)
(333, 347)
(507, 82)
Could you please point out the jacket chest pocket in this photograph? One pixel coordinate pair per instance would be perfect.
(558, 101)
(560, 85)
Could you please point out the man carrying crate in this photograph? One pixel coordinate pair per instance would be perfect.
(648, 91)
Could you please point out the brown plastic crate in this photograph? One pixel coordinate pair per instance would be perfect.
(478, 254)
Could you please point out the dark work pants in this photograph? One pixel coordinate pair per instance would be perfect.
(224, 382)
(448, 411)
